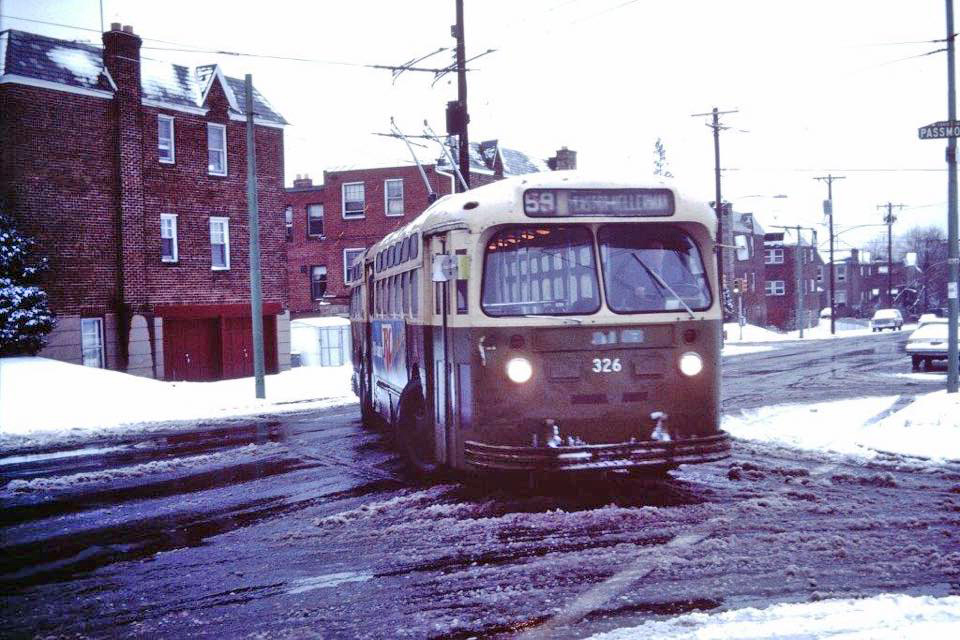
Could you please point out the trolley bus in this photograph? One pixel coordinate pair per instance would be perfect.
(550, 322)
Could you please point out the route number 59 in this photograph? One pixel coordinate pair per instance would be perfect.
(606, 365)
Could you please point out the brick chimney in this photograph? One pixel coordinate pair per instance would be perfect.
(121, 57)
(564, 160)
(855, 256)
(302, 182)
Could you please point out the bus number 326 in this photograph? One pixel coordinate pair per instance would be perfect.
(606, 365)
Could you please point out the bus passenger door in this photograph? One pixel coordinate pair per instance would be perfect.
(439, 374)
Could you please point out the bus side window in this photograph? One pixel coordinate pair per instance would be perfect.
(405, 290)
(414, 292)
(438, 298)
(461, 296)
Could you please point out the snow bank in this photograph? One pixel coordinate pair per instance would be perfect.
(928, 427)
(845, 328)
(885, 616)
(53, 400)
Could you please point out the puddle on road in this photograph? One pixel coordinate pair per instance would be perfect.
(329, 580)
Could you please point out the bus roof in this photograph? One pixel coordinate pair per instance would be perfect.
(485, 206)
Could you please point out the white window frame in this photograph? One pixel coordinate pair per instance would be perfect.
(345, 263)
(840, 297)
(773, 256)
(841, 273)
(323, 214)
(288, 222)
(775, 287)
(212, 126)
(170, 142)
(215, 221)
(352, 215)
(326, 282)
(386, 197)
(172, 219)
(98, 323)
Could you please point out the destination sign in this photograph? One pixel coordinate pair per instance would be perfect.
(945, 129)
(556, 203)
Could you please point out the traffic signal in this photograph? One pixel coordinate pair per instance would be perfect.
(737, 287)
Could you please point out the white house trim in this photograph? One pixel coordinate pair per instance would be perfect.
(257, 121)
(218, 74)
(156, 104)
(12, 78)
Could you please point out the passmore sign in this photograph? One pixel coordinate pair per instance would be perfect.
(945, 129)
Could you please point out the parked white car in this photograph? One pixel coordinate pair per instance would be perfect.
(886, 319)
(930, 318)
(928, 343)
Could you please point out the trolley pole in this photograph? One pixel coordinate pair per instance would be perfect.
(952, 258)
(828, 209)
(253, 214)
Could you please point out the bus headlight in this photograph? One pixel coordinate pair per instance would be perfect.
(691, 363)
(519, 369)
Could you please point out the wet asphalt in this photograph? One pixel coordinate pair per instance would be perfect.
(304, 525)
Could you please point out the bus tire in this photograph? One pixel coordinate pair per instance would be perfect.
(414, 432)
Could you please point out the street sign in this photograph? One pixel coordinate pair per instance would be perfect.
(944, 129)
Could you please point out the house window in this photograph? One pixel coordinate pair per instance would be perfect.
(318, 282)
(773, 256)
(819, 273)
(393, 191)
(841, 273)
(840, 297)
(288, 222)
(219, 244)
(315, 220)
(775, 288)
(216, 149)
(168, 237)
(349, 255)
(881, 269)
(91, 337)
(165, 146)
(354, 202)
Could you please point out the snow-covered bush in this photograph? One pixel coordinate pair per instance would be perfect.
(25, 317)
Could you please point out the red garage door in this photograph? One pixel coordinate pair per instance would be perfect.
(237, 337)
(191, 349)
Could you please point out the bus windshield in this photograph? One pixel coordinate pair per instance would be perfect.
(540, 270)
(651, 267)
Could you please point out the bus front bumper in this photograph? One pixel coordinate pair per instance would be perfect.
(603, 457)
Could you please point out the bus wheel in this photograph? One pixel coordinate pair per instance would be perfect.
(415, 432)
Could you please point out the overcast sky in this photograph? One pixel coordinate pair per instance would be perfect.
(820, 86)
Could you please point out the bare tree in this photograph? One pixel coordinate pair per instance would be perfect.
(661, 167)
(930, 246)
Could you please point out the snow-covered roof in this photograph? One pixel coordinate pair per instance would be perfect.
(484, 156)
(58, 61)
(80, 66)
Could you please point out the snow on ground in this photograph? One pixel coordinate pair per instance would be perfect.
(44, 400)
(886, 616)
(845, 328)
(741, 349)
(929, 427)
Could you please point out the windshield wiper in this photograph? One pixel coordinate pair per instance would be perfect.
(563, 318)
(663, 284)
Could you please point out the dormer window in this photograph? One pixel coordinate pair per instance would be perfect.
(216, 149)
(165, 145)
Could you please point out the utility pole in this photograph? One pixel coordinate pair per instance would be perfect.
(253, 214)
(953, 259)
(888, 220)
(828, 209)
(716, 126)
(463, 117)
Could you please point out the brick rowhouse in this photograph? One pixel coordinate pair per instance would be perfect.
(105, 157)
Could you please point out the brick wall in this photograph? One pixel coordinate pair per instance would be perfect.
(58, 178)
